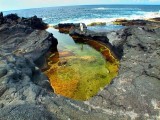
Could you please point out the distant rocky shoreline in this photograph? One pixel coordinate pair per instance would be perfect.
(25, 92)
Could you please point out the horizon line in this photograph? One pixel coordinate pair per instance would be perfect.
(75, 5)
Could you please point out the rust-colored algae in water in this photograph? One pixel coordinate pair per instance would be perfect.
(81, 72)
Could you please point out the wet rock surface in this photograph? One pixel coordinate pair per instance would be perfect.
(152, 22)
(67, 27)
(134, 93)
(23, 40)
(135, 90)
(97, 24)
(25, 92)
(129, 22)
(33, 22)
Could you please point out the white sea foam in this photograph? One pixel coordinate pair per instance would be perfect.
(104, 8)
(44, 18)
(100, 8)
(88, 21)
(137, 15)
(143, 15)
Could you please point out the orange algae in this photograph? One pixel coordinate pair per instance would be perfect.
(65, 88)
(81, 82)
(80, 71)
(70, 81)
(103, 49)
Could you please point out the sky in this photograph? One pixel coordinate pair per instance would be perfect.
(24, 4)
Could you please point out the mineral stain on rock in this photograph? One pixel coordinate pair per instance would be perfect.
(79, 71)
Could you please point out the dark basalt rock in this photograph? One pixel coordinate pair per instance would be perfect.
(34, 22)
(130, 22)
(64, 28)
(21, 82)
(136, 87)
(67, 27)
(97, 24)
(155, 19)
(87, 34)
(152, 22)
(27, 42)
(25, 91)
(1, 18)
(21, 39)
(13, 17)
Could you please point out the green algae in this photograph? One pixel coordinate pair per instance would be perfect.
(80, 71)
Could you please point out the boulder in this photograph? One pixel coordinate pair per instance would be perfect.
(23, 38)
(64, 28)
(155, 19)
(77, 34)
(13, 17)
(27, 42)
(125, 22)
(67, 27)
(97, 24)
(34, 22)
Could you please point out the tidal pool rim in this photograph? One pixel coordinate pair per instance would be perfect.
(117, 64)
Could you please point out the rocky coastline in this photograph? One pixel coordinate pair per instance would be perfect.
(25, 92)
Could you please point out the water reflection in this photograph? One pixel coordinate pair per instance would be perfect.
(79, 71)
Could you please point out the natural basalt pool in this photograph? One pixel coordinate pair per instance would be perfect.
(77, 70)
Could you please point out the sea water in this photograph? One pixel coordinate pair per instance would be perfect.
(92, 13)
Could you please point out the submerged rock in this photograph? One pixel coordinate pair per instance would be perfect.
(66, 53)
(97, 24)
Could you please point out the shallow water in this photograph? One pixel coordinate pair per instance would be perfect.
(77, 70)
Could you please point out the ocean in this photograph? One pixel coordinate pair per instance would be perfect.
(91, 13)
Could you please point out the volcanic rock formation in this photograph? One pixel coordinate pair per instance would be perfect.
(25, 92)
